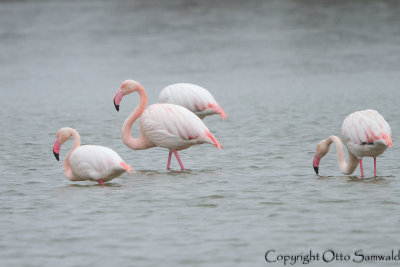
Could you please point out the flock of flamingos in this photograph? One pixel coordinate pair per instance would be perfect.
(176, 124)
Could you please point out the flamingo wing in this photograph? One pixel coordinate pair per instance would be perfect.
(193, 97)
(175, 127)
(91, 162)
(365, 127)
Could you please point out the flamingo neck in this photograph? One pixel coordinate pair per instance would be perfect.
(141, 142)
(66, 166)
(345, 168)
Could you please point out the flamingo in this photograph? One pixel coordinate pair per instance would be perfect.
(88, 162)
(365, 134)
(193, 97)
(164, 125)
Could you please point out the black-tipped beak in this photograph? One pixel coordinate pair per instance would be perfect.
(116, 106)
(57, 156)
(315, 164)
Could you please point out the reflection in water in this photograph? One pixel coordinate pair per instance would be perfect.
(375, 180)
(108, 184)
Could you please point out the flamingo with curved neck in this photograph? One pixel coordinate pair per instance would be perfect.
(88, 162)
(365, 134)
(62, 137)
(141, 142)
(165, 125)
(323, 149)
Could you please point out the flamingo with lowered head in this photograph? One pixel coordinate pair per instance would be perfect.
(165, 125)
(365, 134)
(88, 162)
(193, 97)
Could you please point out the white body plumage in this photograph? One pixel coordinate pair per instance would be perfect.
(174, 127)
(193, 97)
(89, 162)
(366, 133)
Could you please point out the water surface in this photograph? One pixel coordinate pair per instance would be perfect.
(286, 73)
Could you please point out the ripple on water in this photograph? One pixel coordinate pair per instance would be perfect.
(212, 197)
(271, 203)
(388, 202)
(29, 144)
(333, 201)
(206, 205)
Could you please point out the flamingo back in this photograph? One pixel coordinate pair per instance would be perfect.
(174, 127)
(89, 162)
(365, 127)
(193, 97)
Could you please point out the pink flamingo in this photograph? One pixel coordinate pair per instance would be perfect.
(365, 134)
(87, 162)
(193, 97)
(165, 125)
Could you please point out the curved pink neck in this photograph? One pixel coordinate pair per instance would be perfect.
(66, 166)
(345, 168)
(142, 141)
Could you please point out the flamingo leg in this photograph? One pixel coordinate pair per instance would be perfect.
(179, 160)
(100, 182)
(361, 168)
(374, 166)
(169, 161)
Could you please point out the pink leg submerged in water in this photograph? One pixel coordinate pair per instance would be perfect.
(100, 182)
(179, 160)
(361, 168)
(169, 161)
(374, 166)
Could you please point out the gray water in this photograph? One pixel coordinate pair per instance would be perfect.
(286, 72)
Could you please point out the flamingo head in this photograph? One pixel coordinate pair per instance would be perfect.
(62, 136)
(118, 97)
(316, 163)
(388, 139)
(321, 151)
(127, 87)
(218, 109)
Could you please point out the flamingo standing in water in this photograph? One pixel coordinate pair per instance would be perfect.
(165, 125)
(193, 97)
(88, 162)
(365, 134)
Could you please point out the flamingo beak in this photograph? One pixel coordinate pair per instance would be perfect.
(116, 106)
(56, 149)
(117, 98)
(316, 163)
